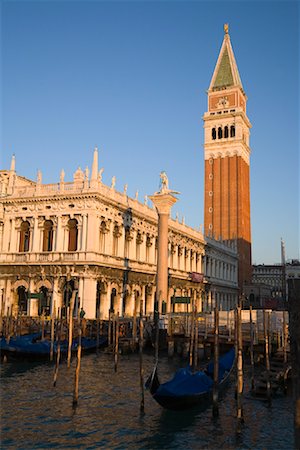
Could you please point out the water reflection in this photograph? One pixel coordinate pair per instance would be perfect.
(35, 415)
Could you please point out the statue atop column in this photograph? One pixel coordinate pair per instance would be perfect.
(164, 185)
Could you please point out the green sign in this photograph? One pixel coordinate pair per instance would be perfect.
(186, 300)
(34, 295)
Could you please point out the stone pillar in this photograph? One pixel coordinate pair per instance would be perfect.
(13, 239)
(6, 227)
(55, 301)
(80, 291)
(36, 236)
(83, 233)
(163, 203)
(33, 306)
(131, 303)
(118, 304)
(92, 232)
(58, 236)
(104, 306)
(88, 302)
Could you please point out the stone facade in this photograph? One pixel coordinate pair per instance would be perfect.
(220, 265)
(86, 236)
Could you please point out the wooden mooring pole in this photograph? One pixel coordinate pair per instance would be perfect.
(77, 371)
(267, 353)
(192, 335)
(116, 340)
(216, 363)
(70, 333)
(240, 381)
(52, 333)
(141, 343)
(58, 337)
(195, 359)
(251, 349)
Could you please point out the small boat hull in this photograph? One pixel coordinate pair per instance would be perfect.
(186, 389)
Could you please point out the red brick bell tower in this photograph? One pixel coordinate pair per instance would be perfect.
(227, 159)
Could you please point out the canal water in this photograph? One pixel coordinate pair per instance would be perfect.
(36, 415)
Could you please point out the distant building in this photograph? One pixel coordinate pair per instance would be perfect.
(220, 265)
(271, 275)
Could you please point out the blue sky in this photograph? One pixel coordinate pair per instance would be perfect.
(131, 78)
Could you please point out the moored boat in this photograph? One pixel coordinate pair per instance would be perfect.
(187, 388)
(32, 345)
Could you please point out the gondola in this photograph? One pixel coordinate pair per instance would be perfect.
(33, 346)
(188, 389)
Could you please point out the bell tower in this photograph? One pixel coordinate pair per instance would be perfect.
(227, 159)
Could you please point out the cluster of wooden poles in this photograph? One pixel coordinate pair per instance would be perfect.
(193, 356)
(113, 342)
(57, 330)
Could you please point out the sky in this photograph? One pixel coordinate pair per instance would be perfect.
(130, 77)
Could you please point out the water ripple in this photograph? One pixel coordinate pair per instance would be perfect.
(35, 415)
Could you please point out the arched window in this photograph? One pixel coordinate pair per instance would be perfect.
(67, 294)
(112, 300)
(226, 133)
(22, 299)
(24, 237)
(73, 235)
(48, 236)
(213, 134)
(44, 301)
(232, 131)
(220, 133)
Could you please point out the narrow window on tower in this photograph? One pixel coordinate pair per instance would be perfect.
(220, 133)
(213, 134)
(232, 131)
(226, 132)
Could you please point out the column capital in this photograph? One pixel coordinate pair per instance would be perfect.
(163, 202)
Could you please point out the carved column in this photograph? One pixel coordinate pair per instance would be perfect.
(163, 203)
(83, 234)
(6, 228)
(131, 303)
(35, 237)
(13, 238)
(58, 235)
(92, 233)
(55, 302)
(88, 301)
(104, 306)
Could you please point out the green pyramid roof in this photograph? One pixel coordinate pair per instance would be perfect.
(224, 76)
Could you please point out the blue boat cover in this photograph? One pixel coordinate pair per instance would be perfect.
(185, 382)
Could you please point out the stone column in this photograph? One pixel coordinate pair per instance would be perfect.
(55, 302)
(104, 306)
(131, 304)
(92, 232)
(58, 235)
(35, 235)
(83, 233)
(163, 203)
(13, 240)
(88, 302)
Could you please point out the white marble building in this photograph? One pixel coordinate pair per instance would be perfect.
(86, 236)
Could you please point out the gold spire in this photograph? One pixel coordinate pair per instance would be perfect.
(226, 28)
